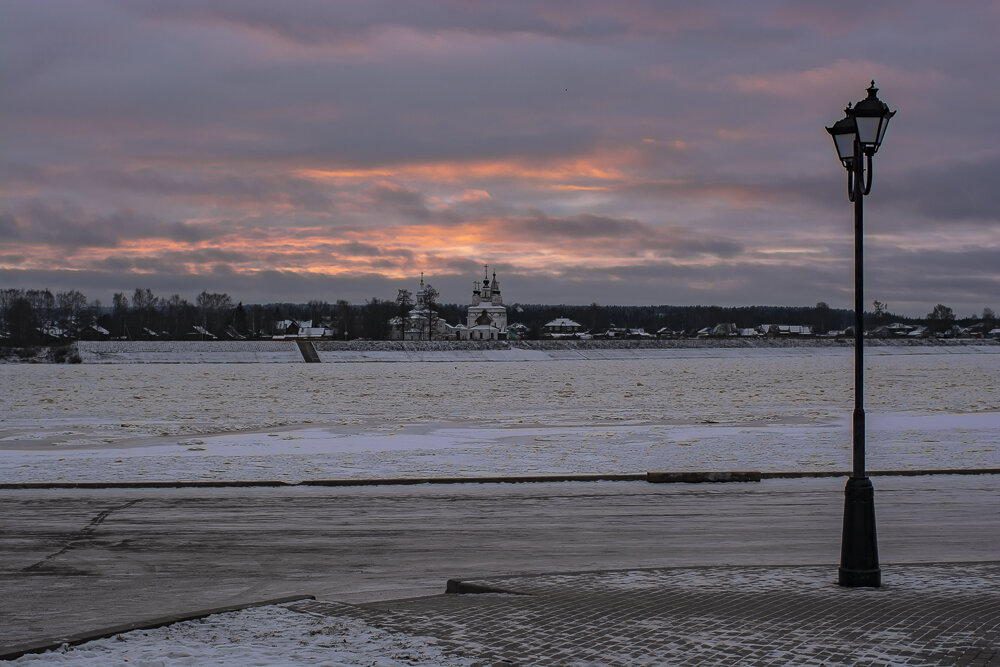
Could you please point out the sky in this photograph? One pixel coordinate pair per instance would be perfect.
(612, 152)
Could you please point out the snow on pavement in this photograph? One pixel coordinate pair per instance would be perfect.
(260, 636)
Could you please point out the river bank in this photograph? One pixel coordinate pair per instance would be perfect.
(186, 352)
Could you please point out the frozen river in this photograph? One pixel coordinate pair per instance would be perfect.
(747, 408)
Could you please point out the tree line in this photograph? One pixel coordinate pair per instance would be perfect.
(30, 317)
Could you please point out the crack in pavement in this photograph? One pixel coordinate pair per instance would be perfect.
(43, 566)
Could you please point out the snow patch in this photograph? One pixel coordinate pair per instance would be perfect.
(260, 636)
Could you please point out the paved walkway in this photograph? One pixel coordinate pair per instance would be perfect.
(939, 614)
(72, 561)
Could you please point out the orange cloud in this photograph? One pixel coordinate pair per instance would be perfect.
(603, 167)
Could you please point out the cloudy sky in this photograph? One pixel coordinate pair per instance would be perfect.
(618, 152)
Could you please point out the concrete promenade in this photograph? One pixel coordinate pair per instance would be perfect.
(937, 614)
(76, 560)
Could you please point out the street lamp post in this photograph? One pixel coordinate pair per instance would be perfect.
(857, 138)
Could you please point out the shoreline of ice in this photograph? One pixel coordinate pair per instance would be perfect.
(192, 352)
(323, 451)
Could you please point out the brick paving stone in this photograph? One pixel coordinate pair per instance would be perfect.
(943, 614)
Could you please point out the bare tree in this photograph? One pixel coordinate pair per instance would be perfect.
(404, 304)
(317, 311)
(144, 305)
(941, 318)
(119, 313)
(8, 297)
(821, 318)
(71, 307)
(430, 303)
(343, 319)
(213, 310)
(375, 316)
(24, 322)
(880, 309)
(179, 316)
(43, 302)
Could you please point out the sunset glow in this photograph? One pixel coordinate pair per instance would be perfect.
(622, 153)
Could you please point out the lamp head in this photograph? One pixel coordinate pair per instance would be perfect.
(843, 132)
(872, 116)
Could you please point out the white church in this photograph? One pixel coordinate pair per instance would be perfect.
(487, 316)
(485, 320)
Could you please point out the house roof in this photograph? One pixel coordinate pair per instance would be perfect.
(563, 322)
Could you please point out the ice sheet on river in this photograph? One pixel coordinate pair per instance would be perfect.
(758, 409)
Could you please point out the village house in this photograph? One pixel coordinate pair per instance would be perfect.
(613, 332)
(721, 330)
(894, 330)
(51, 333)
(667, 332)
(200, 333)
(783, 330)
(517, 331)
(299, 330)
(561, 327)
(95, 332)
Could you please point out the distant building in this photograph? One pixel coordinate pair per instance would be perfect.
(487, 316)
(561, 326)
(639, 333)
(894, 330)
(298, 330)
(200, 333)
(517, 331)
(721, 330)
(614, 332)
(667, 332)
(782, 330)
(95, 332)
(422, 322)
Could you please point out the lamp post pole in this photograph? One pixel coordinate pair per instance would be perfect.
(859, 544)
(858, 453)
(859, 320)
(857, 137)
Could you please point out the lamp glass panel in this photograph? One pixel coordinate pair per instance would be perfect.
(881, 134)
(868, 129)
(845, 145)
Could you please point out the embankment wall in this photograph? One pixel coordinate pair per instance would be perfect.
(124, 352)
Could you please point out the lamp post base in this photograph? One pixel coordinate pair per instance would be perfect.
(859, 547)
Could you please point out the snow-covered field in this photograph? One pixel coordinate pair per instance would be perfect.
(767, 409)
